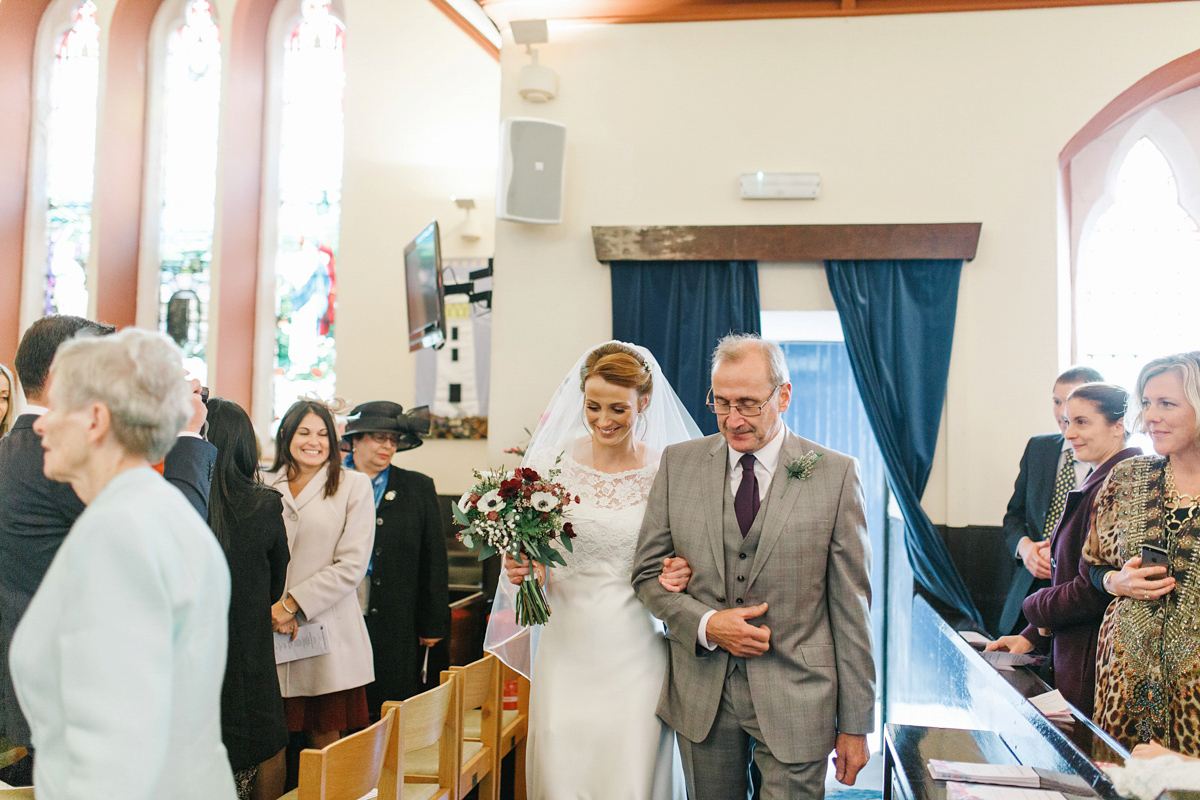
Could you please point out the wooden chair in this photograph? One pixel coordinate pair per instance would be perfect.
(431, 751)
(482, 705)
(352, 767)
(10, 753)
(514, 727)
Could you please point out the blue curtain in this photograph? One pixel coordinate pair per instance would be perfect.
(679, 310)
(898, 319)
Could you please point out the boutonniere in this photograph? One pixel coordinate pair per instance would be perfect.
(390, 495)
(801, 468)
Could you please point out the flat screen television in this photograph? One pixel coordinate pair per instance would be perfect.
(426, 296)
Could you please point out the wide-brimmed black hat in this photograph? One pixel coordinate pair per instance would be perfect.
(388, 417)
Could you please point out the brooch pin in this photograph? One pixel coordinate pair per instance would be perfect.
(801, 468)
(390, 495)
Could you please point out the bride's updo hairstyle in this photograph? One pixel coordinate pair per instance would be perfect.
(620, 365)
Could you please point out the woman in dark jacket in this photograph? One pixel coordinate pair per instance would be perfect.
(247, 518)
(405, 596)
(1066, 615)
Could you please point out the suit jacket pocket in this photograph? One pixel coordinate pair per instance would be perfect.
(818, 655)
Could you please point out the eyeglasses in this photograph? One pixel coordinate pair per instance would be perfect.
(386, 438)
(723, 407)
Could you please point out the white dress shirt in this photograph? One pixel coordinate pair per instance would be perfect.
(766, 459)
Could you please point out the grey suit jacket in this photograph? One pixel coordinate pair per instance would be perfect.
(812, 567)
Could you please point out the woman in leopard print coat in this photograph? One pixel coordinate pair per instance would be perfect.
(1148, 657)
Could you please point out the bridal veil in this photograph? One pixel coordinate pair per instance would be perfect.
(665, 421)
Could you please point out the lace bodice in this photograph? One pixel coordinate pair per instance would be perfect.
(607, 518)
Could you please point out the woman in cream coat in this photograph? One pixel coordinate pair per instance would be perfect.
(329, 513)
(118, 661)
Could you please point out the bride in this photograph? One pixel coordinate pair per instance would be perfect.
(601, 659)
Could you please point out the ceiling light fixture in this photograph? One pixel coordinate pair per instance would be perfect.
(537, 84)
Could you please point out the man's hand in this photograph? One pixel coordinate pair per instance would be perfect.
(850, 754)
(1011, 644)
(199, 410)
(729, 630)
(1036, 556)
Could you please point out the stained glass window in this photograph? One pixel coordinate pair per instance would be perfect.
(191, 105)
(309, 216)
(1139, 261)
(70, 162)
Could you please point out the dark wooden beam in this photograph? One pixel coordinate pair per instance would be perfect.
(785, 242)
(466, 27)
(503, 12)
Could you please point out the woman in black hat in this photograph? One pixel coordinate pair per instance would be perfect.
(405, 596)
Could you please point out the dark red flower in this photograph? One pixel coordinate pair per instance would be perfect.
(568, 530)
(492, 516)
(509, 488)
(528, 475)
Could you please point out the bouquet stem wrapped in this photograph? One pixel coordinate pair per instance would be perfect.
(532, 606)
(518, 513)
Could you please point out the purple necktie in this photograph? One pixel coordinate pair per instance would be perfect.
(745, 504)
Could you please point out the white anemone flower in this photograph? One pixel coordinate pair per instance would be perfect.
(464, 502)
(543, 501)
(491, 501)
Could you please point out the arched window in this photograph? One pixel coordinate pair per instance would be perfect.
(310, 146)
(61, 241)
(1138, 269)
(182, 168)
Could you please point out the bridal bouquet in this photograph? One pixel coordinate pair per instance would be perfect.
(513, 513)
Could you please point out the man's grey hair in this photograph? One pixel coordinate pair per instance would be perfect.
(138, 376)
(735, 346)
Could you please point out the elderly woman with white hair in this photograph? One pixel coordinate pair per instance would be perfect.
(118, 662)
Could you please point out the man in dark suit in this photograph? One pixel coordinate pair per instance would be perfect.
(36, 513)
(405, 595)
(1048, 472)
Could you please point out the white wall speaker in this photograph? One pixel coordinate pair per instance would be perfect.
(531, 170)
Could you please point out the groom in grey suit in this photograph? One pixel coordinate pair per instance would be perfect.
(770, 644)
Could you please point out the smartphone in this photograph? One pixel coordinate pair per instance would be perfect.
(1155, 557)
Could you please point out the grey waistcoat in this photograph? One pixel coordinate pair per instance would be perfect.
(739, 556)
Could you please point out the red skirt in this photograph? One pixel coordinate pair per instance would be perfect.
(337, 711)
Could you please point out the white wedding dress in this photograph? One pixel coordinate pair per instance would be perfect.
(601, 658)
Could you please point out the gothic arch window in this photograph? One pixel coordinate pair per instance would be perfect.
(301, 241)
(58, 239)
(179, 215)
(1138, 268)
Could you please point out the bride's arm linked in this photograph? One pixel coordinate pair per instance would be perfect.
(678, 610)
(676, 574)
(674, 578)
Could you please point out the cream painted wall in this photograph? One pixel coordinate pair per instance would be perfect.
(909, 118)
(422, 110)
